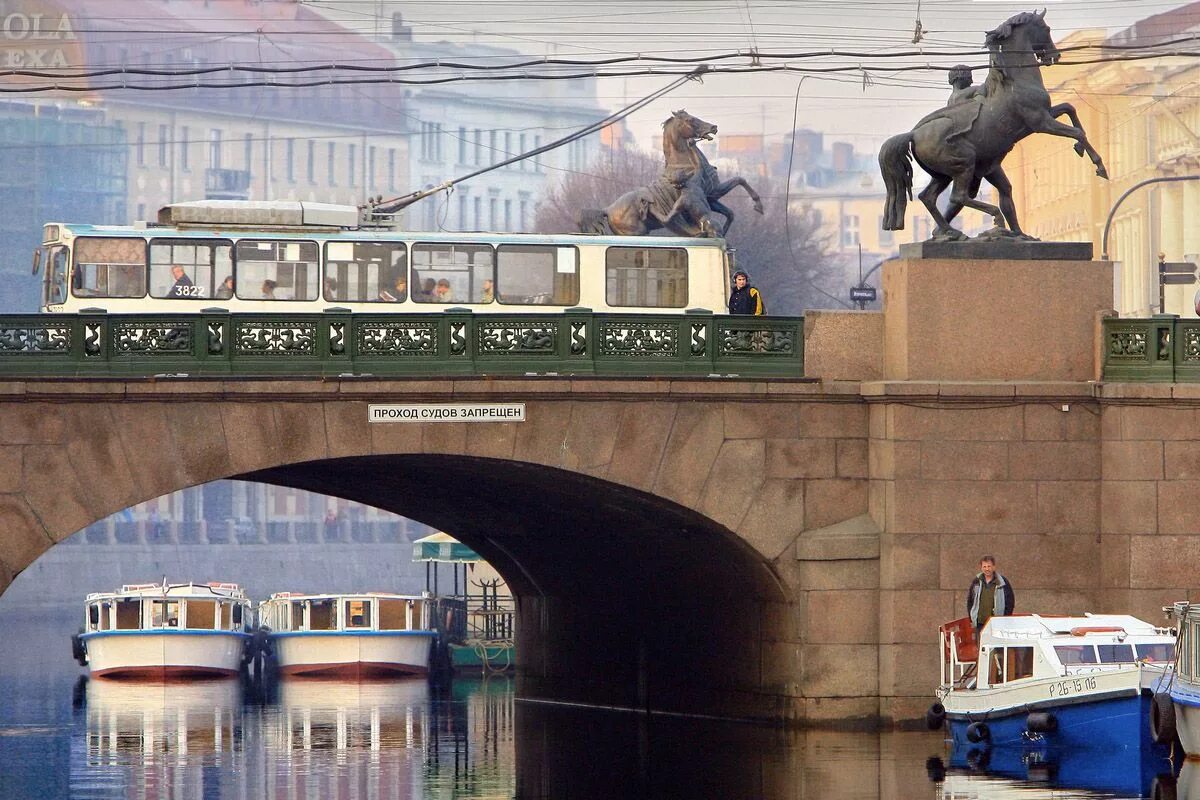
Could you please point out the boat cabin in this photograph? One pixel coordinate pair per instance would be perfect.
(161, 606)
(1026, 646)
(292, 612)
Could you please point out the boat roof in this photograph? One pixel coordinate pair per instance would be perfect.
(1005, 630)
(229, 591)
(343, 596)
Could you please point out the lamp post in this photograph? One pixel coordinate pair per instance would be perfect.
(1129, 191)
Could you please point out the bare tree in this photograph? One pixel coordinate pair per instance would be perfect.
(791, 276)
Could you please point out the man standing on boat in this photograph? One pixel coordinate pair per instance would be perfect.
(990, 595)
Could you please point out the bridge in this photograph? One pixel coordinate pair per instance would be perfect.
(684, 534)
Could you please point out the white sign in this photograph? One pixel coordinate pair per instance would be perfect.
(447, 412)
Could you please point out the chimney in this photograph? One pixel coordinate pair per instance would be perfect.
(400, 31)
(843, 156)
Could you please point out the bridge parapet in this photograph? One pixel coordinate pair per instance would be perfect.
(1163, 349)
(454, 342)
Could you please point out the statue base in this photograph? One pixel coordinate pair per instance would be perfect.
(998, 250)
(993, 320)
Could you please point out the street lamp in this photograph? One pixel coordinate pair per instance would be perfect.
(1129, 191)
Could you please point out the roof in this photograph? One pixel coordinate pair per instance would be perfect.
(443, 547)
(1035, 626)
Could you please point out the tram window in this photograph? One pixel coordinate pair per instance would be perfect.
(1076, 654)
(188, 269)
(358, 613)
(276, 270)
(451, 273)
(202, 614)
(1155, 653)
(649, 277)
(537, 275)
(109, 267)
(365, 272)
(1115, 653)
(55, 289)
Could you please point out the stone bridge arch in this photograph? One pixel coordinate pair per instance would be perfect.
(648, 528)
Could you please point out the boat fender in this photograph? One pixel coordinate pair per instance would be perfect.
(79, 649)
(1041, 722)
(1162, 718)
(1163, 787)
(978, 759)
(978, 732)
(935, 717)
(935, 768)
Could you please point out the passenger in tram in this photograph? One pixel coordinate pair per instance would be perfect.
(397, 292)
(428, 287)
(330, 288)
(489, 291)
(225, 290)
(990, 595)
(183, 284)
(268, 289)
(443, 293)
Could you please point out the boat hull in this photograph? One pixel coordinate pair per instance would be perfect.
(165, 655)
(1113, 722)
(1185, 696)
(352, 654)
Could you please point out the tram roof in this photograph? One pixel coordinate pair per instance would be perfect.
(373, 234)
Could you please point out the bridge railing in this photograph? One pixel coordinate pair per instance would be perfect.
(1161, 348)
(454, 342)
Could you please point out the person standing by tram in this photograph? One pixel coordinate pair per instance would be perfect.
(745, 299)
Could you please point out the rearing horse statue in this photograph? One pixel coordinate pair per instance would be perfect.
(683, 199)
(964, 143)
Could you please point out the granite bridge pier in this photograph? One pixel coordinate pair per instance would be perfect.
(777, 545)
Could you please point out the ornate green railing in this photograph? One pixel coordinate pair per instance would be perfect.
(576, 342)
(1162, 348)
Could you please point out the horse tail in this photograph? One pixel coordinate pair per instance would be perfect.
(594, 220)
(896, 165)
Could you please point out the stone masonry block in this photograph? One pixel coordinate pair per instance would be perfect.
(641, 440)
(1114, 561)
(1128, 507)
(1005, 423)
(852, 458)
(1177, 502)
(832, 420)
(1050, 423)
(829, 501)
(347, 430)
(1181, 461)
(1158, 423)
(973, 506)
(734, 481)
(801, 458)
(981, 461)
(909, 670)
(1031, 561)
(1163, 561)
(839, 670)
(775, 517)
(592, 435)
(1136, 460)
(910, 561)
(842, 617)
(1054, 461)
(909, 615)
(836, 575)
(23, 537)
(761, 421)
(1068, 506)
(695, 440)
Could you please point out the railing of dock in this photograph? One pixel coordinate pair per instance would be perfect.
(451, 343)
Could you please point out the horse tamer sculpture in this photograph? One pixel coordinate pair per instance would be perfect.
(683, 199)
(964, 143)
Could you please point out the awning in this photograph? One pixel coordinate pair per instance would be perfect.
(443, 547)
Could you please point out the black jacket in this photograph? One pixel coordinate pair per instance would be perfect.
(746, 300)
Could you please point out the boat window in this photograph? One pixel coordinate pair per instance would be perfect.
(450, 273)
(237, 614)
(276, 270)
(164, 614)
(109, 267)
(996, 666)
(536, 275)
(322, 615)
(358, 613)
(189, 269)
(1019, 663)
(649, 277)
(1076, 654)
(418, 622)
(365, 272)
(393, 615)
(129, 615)
(93, 616)
(202, 614)
(1155, 653)
(297, 615)
(1115, 653)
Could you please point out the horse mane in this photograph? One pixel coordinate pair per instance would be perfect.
(995, 37)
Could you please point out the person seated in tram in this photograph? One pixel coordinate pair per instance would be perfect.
(443, 293)
(396, 292)
(183, 284)
(488, 293)
(268, 289)
(330, 288)
(225, 290)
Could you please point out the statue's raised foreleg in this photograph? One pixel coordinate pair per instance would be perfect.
(690, 205)
(1046, 123)
(725, 187)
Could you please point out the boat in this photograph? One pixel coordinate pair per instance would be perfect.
(1176, 710)
(332, 635)
(165, 631)
(1036, 680)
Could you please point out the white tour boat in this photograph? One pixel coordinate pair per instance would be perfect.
(349, 635)
(1176, 710)
(1072, 681)
(162, 630)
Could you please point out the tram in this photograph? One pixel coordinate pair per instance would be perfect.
(291, 256)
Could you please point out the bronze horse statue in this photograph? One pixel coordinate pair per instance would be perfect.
(964, 143)
(683, 199)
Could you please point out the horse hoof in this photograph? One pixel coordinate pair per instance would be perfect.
(1079, 150)
(1102, 172)
(758, 207)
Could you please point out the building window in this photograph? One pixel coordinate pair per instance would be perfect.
(523, 212)
(462, 145)
(508, 215)
(312, 161)
(141, 145)
(850, 230)
(495, 151)
(214, 149)
(478, 213)
(462, 211)
(351, 153)
(184, 136)
(521, 149)
(478, 146)
(507, 145)
(163, 144)
(330, 157)
(493, 207)
(248, 150)
(391, 168)
(537, 144)
(371, 167)
(291, 160)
